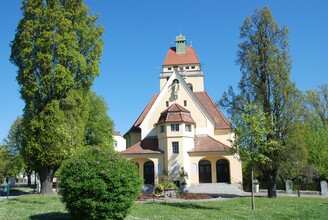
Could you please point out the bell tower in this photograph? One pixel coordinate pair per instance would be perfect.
(183, 60)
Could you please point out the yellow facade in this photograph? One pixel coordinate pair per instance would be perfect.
(198, 145)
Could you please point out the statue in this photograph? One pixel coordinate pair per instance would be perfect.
(175, 88)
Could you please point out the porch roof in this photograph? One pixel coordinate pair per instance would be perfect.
(148, 145)
(205, 143)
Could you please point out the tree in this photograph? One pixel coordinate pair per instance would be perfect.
(293, 168)
(265, 66)
(56, 48)
(317, 103)
(316, 134)
(251, 141)
(99, 129)
(10, 165)
(14, 142)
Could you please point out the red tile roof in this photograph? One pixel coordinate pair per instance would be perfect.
(146, 146)
(217, 116)
(205, 143)
(175, 113)
(190, 57)
(176, 108)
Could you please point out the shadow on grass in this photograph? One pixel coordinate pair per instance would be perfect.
(14, 192)
(26, 201)
(189, 206)
(52, 216)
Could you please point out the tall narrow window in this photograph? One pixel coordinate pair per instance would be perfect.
(174, 127)
(167, 103)
(188, 128)
(175, 147)
(185, 102)
(162, 128)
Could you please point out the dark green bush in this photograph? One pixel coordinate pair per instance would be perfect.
(99, 183)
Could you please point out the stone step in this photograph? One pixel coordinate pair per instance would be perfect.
(216, 188)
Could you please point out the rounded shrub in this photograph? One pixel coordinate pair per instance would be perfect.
(98, 183)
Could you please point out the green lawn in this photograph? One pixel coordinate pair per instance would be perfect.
(50, 207)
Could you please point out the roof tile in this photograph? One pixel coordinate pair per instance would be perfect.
(146, 146)
(221, 122)
(175, 113)
(190, 57)
(205, 143)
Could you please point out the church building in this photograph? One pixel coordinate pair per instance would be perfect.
(182, 128)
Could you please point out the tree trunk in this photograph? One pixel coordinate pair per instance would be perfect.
(29, 181)
(46, 177)
(29, 174)
(272, 183)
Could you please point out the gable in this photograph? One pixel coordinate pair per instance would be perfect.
(203, 121)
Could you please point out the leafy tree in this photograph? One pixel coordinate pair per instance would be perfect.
(265, 66)
(56, 48)
(317, 103)
(295, 166)
(10, 165)
(14, 139)
(316, 132)
(14, 142)
(5, 159)
(251, 141)
(99, 129)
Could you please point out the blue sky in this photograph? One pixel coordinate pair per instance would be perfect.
(138, 35)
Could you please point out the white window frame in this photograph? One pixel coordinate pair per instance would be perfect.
(175, 127)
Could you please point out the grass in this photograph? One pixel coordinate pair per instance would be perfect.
(33, 206)
(50, 207)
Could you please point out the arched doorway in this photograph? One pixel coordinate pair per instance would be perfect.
(149, 172)
(205, 173)
(222, 171)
